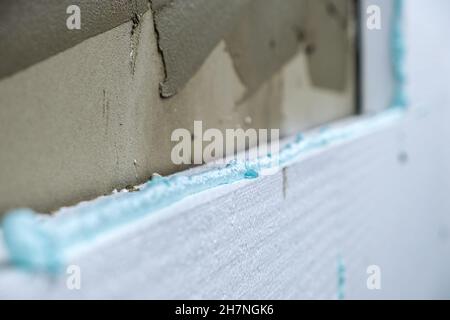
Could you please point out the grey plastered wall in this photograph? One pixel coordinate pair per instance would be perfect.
(90, 119)
(72, 126)
(31, 31)
(261, 37)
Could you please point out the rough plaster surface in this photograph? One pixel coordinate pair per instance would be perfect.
(336, 34)
(73, 125)
(305, 105)
(258, 48)
(187, 32)
(261, 37)
(31, 31)
(267, 35)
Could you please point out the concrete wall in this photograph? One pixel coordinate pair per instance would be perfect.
(91, 118)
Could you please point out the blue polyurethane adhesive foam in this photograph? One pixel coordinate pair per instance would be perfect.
(341, 278)
(398, 52)
(38, 242)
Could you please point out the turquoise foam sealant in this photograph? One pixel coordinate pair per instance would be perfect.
(45, 242)
(341, 278)
(38, 242)
(398, 53)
